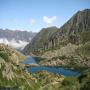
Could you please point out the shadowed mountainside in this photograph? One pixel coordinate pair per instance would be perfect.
(37, 43)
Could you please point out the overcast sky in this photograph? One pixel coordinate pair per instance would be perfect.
(32, 15)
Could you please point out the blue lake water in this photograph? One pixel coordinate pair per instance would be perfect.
(57, 70)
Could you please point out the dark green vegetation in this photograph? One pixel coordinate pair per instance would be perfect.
(38, 59)
(84, 80)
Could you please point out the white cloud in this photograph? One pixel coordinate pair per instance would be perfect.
(13, 43)
(32, 21)
(49, 20)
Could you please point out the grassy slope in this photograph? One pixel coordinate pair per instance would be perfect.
(11, 73)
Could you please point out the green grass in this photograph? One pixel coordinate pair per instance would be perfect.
(4, 55)
(70, 83)
(84, 50)
(85, 36)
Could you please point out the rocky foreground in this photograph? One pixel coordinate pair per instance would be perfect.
(14, 77)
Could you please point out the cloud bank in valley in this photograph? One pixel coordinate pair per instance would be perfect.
(14, 43)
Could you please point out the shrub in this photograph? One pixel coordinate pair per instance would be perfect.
(84, 50)
(4, 55)
(70, 83)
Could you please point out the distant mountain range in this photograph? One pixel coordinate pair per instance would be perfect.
(16, 38)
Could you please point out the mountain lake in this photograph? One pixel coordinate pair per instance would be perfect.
(56, 70)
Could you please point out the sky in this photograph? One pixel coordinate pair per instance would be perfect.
(32, 15)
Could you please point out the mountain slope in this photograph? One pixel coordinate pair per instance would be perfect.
(41, 39)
